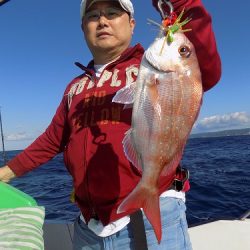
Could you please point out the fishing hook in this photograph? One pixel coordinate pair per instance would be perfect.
(165, 15)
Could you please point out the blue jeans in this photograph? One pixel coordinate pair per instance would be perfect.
(174, 232)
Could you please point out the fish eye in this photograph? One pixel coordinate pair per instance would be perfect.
(184, 51)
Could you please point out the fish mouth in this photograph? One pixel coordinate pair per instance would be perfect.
(168, 71)
(152, 62)
(157, 69)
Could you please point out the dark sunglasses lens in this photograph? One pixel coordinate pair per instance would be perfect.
(109, 13)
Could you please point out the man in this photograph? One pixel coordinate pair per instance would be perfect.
(89, 129)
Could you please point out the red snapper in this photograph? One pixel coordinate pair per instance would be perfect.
(166, 101)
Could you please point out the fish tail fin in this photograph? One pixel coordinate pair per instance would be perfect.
(143, 198)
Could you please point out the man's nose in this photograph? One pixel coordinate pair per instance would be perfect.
(102, 19)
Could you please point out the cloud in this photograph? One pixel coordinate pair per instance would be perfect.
(235, 120)
(19, 136)
(19, 140)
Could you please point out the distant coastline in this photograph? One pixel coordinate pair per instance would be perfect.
(223, 133)
(232, 132)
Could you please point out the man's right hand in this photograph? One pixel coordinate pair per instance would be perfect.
(6, 174)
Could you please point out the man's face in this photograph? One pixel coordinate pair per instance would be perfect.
(112, 31)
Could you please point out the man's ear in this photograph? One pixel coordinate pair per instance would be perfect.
(82, 26)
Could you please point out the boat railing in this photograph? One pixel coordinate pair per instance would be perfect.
(2, 136)
(245, 215)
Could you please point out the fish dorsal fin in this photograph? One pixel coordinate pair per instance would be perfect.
(130, 151)
(125, 95)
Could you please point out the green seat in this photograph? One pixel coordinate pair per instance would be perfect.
(11, 197)
(21, 220)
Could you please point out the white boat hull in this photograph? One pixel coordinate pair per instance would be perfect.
(221, 235)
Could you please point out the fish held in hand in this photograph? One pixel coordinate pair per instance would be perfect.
(166, 101)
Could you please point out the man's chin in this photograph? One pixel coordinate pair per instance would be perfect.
(105, 44)
(105, 47)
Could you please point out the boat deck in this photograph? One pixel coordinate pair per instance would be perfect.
(217, 235)
(58, 236)
(221, 235)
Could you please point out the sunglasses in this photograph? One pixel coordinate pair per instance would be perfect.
(110, 13)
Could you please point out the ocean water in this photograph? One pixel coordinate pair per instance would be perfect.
(219, 177)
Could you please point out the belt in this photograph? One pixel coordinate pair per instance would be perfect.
(183, 176)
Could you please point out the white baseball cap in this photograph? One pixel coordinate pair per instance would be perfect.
(125, 4)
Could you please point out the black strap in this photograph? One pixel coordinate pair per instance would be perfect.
(138, 228)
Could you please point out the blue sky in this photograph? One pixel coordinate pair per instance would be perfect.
(41, 40)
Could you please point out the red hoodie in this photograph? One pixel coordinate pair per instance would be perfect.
(88, 128)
